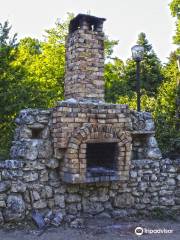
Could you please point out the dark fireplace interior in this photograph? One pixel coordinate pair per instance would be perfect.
(101, 158)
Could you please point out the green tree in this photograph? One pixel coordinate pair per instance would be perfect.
(120, 78)
(165, 108)
(151, 75)
(109, 47)
(7, 84)
(31, 75)
(115, 84)
(175, 11)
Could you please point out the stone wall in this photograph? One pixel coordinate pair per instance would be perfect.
(31, 180)
(77, 123)
(47, 171)
(85, 59)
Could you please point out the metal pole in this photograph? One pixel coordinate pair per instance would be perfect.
(178, 96)
(138, 86)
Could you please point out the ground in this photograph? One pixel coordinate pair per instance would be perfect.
(98, 229)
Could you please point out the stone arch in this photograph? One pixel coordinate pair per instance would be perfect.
(75, 158)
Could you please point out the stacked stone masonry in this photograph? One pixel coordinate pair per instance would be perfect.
(85, 157)
(32, 179)
(85, 59)
(76, 124)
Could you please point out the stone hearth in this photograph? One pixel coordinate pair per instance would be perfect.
(85, 156)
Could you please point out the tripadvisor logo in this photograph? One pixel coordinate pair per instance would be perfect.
(139, 231)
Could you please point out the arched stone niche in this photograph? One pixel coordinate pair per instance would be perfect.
(75, 167)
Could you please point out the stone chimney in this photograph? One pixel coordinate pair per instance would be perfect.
(85, 58)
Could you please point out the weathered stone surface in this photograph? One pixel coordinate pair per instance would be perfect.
(50, 203)
(152, 143)
(11, 174)
(11, 164)
(178, 177)
(59, 201)
(44, 176)
(133, 174)
(52, 163)
(54, 175)
(171, 182)
(25, 117)
(124, 200)
(73, 189)
(167, 201)
(154, 153)
(72, 208)
(57, 220)
(25, 149)
(142, 186)
(177, 201)
(24, 133)
(165, 192)
(177, 193)
(99, 198)
(140, 206)
(35, 195)
(73, 198)
(3, 196)
(15, 208)
(4, 186)
(32, 151)
(38, 219)
(27, 197)
(153, 178)
(92, 207)
(146, 200)
(46, 133)
(171, 169)
(121, 213)
(33, 165)
(45, 149)
(40, 204)
(48, 217)
(36, 125)
(18, 186)
(149, 125)
(1, 218)
(77, 223)
(48, 191)
(104, 215)
(61, 189)
(30, 176)
(2, 204)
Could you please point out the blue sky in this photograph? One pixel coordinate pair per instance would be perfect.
(125, 20)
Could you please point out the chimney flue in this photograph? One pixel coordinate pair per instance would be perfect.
(85, 58)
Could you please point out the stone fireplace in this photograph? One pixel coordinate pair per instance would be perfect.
(93, 135)
(86, 156)
(97, 146)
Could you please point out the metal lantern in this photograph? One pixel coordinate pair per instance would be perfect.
(137, 52)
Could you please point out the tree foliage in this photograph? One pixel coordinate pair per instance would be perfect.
(165, 111)
(31, 75)
(151, 76)
(120, 78)
(7, 84)
(175, 11)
